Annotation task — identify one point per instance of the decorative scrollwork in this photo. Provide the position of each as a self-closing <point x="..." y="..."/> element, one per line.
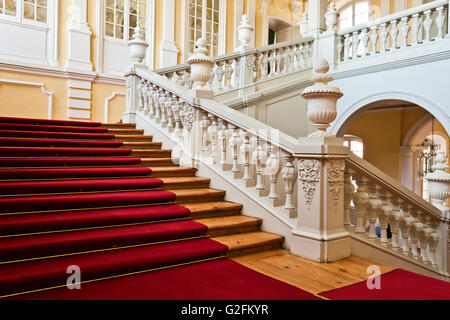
<point x="309" y="176"/>
<point x="188" y="114"/>
<point x="335" y="179"/>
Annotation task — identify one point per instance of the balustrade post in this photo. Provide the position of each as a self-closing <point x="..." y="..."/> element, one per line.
<point x="349" y="190"/>
<point x="375" y="205"/>
<point x="361" y="201"/>
<point x="320" y="234"/>
<point x="201" y="66"/>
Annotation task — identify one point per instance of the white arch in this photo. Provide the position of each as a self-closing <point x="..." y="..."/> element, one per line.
<point x="341" y="124"/>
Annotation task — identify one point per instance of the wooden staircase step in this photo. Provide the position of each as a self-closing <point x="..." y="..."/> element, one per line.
<point x="176" y="183"/>
<point x="119" y="125"/>
<point x="245" y="243"/>
<point x="126" y="131"/>
<point x="133" y="138"/>
<point x="142" y="145"/>
<point x="221" y="226"/>
<point x="213" y="209"/>
<point x="173" y="171"/>
<point x="198" y="195"/>
<point x="157" y="162"/>
<point x="151" y="153"/>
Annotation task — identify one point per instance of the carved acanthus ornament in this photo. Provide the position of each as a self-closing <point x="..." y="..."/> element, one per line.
<point x="336" y="170"/>
<point x="309" y="176"/>
<point x="188" y="116"/>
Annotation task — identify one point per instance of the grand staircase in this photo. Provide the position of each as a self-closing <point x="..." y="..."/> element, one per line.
<point x="108" y="199"/>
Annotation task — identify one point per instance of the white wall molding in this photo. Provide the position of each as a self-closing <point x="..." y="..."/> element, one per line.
<point x="108" y="100"/>
<point x="169" y="50"/>
<point x="35" y="85"/>
<point x="80" y="99"/>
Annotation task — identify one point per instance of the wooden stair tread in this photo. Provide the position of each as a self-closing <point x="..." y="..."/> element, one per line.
<point x="151" y="153"/>
<point x="132" y="138"/>
<point x="213" y="209"/>
<point x="172" y="171"/>
<point x="185" y="182"/>
<point x="251" y="242"/>
<point x="126" y="131"/>
<point x="119" y="125"/>
<point x="198" y="195"/>
<point x="226" y="222"/>
<point x="158" y="162"/>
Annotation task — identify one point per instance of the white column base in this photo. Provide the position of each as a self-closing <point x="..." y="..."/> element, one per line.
<point x="314" y="247"/>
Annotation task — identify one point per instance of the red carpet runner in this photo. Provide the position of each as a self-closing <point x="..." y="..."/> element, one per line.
<point x="70" y="195"/>
<point x="395" y="285"/>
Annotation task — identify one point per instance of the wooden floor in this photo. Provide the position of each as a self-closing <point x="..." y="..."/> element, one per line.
<point x="308" y="275"/>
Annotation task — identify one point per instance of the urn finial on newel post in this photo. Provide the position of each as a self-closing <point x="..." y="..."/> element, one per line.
<point x="201" y="65"/>
<point x="244" y="30"/>
<point x="138" y="46"/>
<point x="322" y="99"/>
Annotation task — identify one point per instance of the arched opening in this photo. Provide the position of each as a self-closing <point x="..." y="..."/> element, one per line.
<point x="395" y="133"/>
<point x="281" y="30"/>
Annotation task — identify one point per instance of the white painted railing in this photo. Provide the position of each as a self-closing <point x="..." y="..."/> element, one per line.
<point x="240" y="69"/>
<point x="262" y="162"/>
<point x="419" y="230"/>
<point x="414" y="27"/>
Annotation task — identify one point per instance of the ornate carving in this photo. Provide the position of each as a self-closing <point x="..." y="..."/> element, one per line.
<point x="335" y="178"/>
<point x="188" y="115"/>
<point x="309" y="176"/>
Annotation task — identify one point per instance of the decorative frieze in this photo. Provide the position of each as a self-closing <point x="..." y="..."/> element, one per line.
<point x="309" y="176"/>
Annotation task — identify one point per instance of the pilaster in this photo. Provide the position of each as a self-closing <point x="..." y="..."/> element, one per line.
<point x="169" y="50"/>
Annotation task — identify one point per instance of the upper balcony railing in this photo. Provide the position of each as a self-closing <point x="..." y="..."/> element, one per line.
<point x="250" y="66"/>
<point x="410" y="28"/>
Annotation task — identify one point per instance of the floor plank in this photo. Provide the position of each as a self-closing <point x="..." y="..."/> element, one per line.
<point x="308" y="275"/>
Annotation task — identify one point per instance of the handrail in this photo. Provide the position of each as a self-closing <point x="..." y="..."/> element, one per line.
<point x="384" y="180"/>
<point x="394" y="16"/>
<point x="237" y="54"/>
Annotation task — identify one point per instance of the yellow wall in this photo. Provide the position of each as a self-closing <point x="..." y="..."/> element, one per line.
<point x="383" y="134"/>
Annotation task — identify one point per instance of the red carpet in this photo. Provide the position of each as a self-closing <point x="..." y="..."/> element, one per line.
<point x="75" y="162"/>
<point x="63" y="152"/>
<point x="49" y="122"/>
<point x="73" y="173"/>
<point x="58" y="143"/>
<point x="395" y="285"/>
<point x="54" y="135"/>
<point x="33" y="127"/>
<point x="221" y="279"/>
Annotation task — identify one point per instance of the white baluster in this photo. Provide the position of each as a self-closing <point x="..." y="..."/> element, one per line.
<point x="423" y="238"/>
<point x="223" y="143"/>
<point x="404" y="30"/>
<point x="374" y="208"/>
<point x="386" y="212"/>
<point x="234" y="145"/>
<point x="259" y="158"/>
<point x="204" y="123"/>
<point x="355" y="44"/>
<point x="427" y="23"/>
<point x="349" y="191"/>
<point x="415" y="27"/>
<point x="339" y="48"/>
<point x="213" y="130"/>
<point x="211" y="79"/>
<point x="364" y="42"/>
<point x="139" y="87"/>
<point x="285" y="56"/>
<point x="145" y="97"/>
<point x="361" y="200"/>
<point x="265" y="66"/>
<point x="292" y="59"/>
<point x="219" y="71"/>
<point x="373" y="39"/>
<point x="384" y="37"/>
<point x="289" y="176"/>
<point x="237" y="71"/>
<point x="160" y="96"/>
<point x="432" y="243"/>
<point x="245" y="151"/>
<point x="394" y="34"/>
<point x="168" y="104"/>
<point x="272" y="62"/>
<point x="347" y="45"/>
<point x="405" y="228"/>
<point x="396" y="218"/>
<point x="229" y="72"/>
<point x="162" y="106"/>
<point x="272" y="169"/>
<point x="278" y="59"/>
<point x="440" y="19"/>
<point x="176" y="112"/>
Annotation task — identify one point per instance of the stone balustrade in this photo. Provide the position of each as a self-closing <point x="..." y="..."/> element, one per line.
<point x="413" y="27"/>
<point x="419" y="231"/>
<point x="250" y="66"/>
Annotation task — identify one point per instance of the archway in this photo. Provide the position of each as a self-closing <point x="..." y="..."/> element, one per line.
<point x="394" y="131"/>
<point x="281" y="30"/>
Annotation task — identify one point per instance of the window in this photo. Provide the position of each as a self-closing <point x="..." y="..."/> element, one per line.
<point x="210" y="27"/>
<point x="34" y="10"/>
<point x="356" y="145"/>
<point x="123" y="16"/>
<point x="354" y="14"/>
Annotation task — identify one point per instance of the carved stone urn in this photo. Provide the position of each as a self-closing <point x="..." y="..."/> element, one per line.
<point x="200" y="67"/>
<point x="331" y="16"/>
<point x="439" y="183"/>
<point x="245" y="30"/>
<point x="138" y="46"/>
<point x="304" y="24"/>
<point x="321" y="99"/>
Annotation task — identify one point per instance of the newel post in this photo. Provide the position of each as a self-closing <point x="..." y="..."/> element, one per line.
<point x="320" y="234"/>
<point x="328" y="41"/>
<point x="138" y="50"/>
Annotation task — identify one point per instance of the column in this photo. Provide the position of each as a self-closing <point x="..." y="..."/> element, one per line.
<point x="407" y="167"/>
<point x="265" y="24"/>
<point x="169" y="50"/>
<point x="320" y="234"/>
<point x="238" y="11"/>
<point x="251" y="13"/>
<point x="316" y="16"/>
<point x="79" y="38"/>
